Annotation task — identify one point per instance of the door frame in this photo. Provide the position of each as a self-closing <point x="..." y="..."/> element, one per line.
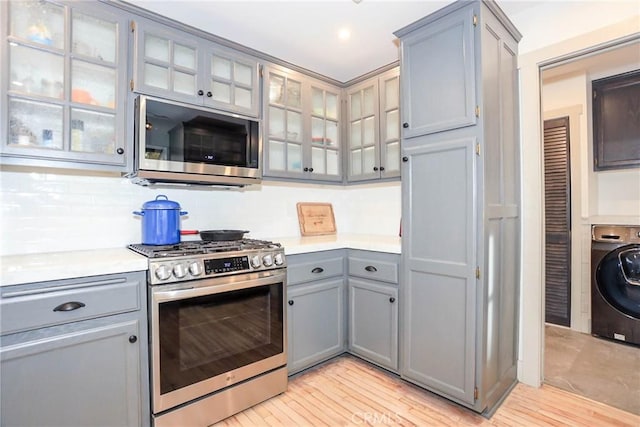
<point x="531" y="65"/>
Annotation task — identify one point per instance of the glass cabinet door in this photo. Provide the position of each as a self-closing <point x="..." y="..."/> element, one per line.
<point x="302" y="127"/>
<point x="167" y="63"/>
<point x="390" y="124"/>
<point x="233" y="84"/>
<point x="284" y="151"/>
<point x="363" y="131"/>
<point x="325" y="134"/>
<point x="65" y="82"/>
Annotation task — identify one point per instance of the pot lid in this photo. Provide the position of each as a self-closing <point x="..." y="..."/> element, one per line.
<point x="161" y="202"/>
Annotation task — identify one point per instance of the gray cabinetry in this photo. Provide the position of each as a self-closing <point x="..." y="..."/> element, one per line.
<point x="302" y="137"/>
<point x="460" y="204"/>
<point x="74" y="352"/>
<point x="439" y="73"/>
<point x="63" y="85"/>
<point x="373" y="307"/>
<point x="373" y="128"/>
<point x="181" y="66"/>
<point x="315" y="314"/>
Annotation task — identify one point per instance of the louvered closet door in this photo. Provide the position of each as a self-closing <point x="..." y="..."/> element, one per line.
<point x="557" y="221"/>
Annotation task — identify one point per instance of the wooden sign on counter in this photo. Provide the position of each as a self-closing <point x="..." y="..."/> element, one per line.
<point x="316" y="219"/>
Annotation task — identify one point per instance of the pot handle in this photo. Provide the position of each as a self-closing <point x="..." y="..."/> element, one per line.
<point x="163" y="197"/>
<point x="138" y="213"/>
<point x="187" y="232"/>
<point x="182" y="213"/>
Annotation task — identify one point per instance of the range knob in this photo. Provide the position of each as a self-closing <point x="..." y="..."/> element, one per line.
<point x="195" y="268"/>
<point x="163" y="272"/>
<point x="278" y="259"/>
<point x="267" y="260"/>
<point x="180" y="270"/>
<point x="255" y="261"/>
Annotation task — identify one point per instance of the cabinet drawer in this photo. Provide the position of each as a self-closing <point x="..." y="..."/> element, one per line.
<point x="21" y="311"/>
<point x="314" y="270"/>
<point x="374" y="269"/>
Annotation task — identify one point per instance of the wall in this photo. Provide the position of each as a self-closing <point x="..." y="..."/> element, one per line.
<point x="49" y="210"/>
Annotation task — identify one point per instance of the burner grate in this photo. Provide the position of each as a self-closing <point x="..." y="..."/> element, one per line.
<point x="200" y="247"/>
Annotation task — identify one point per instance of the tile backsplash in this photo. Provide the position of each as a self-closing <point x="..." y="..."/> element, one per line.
<point x="51" y="211"/>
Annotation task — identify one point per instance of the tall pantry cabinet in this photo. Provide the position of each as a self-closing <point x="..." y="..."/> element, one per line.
<point x="460" y="203"/>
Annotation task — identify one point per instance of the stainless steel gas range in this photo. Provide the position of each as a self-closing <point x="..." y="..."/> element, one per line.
<point x="217" y="328"/>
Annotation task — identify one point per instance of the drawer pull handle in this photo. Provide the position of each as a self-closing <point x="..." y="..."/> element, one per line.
<point x="371" y="268"/>
<point x="392" y="300"/>
<point x="69" y="306"/>
<point x="317" y="270"/>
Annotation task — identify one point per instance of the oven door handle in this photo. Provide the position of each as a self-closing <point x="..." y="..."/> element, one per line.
<point x="198" y="288"/>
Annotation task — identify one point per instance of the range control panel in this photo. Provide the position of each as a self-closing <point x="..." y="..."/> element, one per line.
<point x="226" y="265"/>
<point x="193" y="267"/>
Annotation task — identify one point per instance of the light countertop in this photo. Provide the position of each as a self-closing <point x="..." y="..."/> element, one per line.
<point x="299" y="245"/>
<point x="29" y="268"/>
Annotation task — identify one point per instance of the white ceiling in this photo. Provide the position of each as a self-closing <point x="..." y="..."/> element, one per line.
<point x="305" y="32"/>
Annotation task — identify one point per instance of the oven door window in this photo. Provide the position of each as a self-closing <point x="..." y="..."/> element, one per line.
<point x="206" y="336"/>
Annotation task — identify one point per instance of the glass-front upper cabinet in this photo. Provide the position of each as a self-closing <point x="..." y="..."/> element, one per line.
<point x="302" y="127"/>
<point x="65" y="94"/>
<point x="389" y="89"/>
<point x="362" y="105"/>
<point x="177" y="65"/>
<point x="373" y="133"/>
<point x="325" y="133"/>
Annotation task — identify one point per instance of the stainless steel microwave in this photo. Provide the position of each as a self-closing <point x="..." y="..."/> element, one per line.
<point x="179" y="143"/>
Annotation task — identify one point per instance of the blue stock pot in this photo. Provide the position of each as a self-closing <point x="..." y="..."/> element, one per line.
<point x="160" y="221"/>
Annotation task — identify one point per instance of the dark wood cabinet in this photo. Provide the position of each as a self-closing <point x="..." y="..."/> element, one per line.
<point x="616" y="121"/>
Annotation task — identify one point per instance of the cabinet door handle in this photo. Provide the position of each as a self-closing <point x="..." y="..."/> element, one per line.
<point x="69" y="306"/>
<point x="209" y="94"/>
<point x="381" y="168"/>
<point x="200" y="92"/>
<point x="120" y="150"/>
<point x="133" y="339"/>
<point x="392" y="300"/>
<point x="405" y="159"/>
<point x="371" y="268"/>
<point x="290" y="302"/>
<point x="310" y="169"/>
<point x="375" y="169"/>
<point x="317" y="270"/>
<point x="405" y="125"/>
<point x="306" y="169"/>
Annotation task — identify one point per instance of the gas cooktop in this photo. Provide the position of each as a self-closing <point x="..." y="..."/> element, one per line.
<point x="196" y="247"/>
<point x="194" y="260"/>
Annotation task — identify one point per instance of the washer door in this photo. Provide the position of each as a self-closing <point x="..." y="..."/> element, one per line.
<point x="618" y="279"/>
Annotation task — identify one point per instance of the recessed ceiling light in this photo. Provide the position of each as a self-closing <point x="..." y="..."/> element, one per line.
<point x="344" y="34"/>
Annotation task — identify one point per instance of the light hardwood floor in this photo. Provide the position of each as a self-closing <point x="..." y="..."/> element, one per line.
<point x="349" y="392"/>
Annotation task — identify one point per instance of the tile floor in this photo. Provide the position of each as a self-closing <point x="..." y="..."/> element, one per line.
<point x="599" y="369"/>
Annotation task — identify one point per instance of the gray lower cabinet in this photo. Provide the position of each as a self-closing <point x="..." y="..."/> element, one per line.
<point x="74" y="352"/>
<point x="316" y="309"/>
<point x="373" y="307"/>
<point x="461" y="203"/>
